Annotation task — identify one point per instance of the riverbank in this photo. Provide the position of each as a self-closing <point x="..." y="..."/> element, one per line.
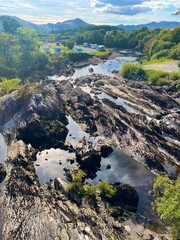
<point x="171" y="66"/>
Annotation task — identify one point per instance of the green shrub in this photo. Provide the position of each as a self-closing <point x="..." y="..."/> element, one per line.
<point x="167" y="202"/>
<point x="106" y="189"/>
<point x="175" y="76"/>
<point x="175" y="53"/>
<point x="162" y="54"/>
<point x="90" y="190"/>
<point x="75" y="57"/>
<point x="8" y="85"/>
<point x="132" y="71"/>
<point x="76" y="186"/>
<point x="157" y="77"/>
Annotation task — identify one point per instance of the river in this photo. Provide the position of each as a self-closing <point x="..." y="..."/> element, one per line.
<point x="50" y="163"/>
<point x="125" y="169"/>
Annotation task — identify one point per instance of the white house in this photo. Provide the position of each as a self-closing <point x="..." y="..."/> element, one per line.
<point x="100" y="47"/>
<point x="85" y="44"/>
<point x="93" y="46"/>
<point x="77" y="50"/>
<point x="46" y="48"/>
<point x="57" y="49"/>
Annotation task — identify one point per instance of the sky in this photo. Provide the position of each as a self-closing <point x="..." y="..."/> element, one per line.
<point x="111" y="12"/>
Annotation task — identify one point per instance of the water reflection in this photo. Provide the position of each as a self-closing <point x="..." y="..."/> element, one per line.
<point x="3" y="150"/>
<point x="126" y="170"/>
<point x="50" y="164"/>
<point x="103" y="68"/>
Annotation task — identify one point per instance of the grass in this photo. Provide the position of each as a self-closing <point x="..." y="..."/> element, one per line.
<point x="156" y="61"/>
<point x="100" y="53"/>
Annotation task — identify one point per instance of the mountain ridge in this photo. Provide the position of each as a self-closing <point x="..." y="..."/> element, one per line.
<point x="77" y="22"/>
<point x="151" y="25"/>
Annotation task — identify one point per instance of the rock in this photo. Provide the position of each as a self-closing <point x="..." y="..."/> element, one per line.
<point x="127" y="228"/>
<point x="2" y="172"/>
<point x="126" y="197"/>
<point x="64" y="235"/>
<point x="43" y="134"/>
<point x="89" y="160"/>
<point x="108" y="166"/>
<point x="106" y="151"/>
<point x="60" y="184"/>
<point x="91" y="70"/>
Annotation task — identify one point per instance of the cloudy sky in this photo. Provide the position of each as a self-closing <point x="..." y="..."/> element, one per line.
<point x="93" y="11"/>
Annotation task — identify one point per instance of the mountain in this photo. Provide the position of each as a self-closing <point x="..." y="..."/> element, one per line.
<point x="151" y="25"/>
<point x="70" y="24"/>
<point x="21" y="22"/>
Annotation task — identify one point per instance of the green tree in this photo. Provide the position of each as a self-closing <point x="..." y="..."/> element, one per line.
<point x="31" y="56"/>
<point x="167" y="202"/>
<point x="10" y="24"/>
<point x="9" y="55"/>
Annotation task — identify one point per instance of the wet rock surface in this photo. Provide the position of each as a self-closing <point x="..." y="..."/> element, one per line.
<point x="141" y="120"/>
<point x="2" y="172"/>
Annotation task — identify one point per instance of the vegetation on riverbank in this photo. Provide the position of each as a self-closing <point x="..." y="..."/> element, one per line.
<point x="135" y="72"/>
<point x="167" y="202"/>
<point x="78" y="187"/>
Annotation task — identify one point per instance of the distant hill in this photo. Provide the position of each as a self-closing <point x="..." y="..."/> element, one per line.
<point x="151" y="25"/>
<point x="70" y="24"/>
<point x="74" y="23"/>
<point x="21" y="22"/>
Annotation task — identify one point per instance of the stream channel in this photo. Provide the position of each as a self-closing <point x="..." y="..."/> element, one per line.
<point x="50" y="163"/>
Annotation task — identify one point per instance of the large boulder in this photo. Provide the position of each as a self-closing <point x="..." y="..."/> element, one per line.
<point x="2" y="172"/>
<point x="43" y="134"/>
<point x="126" y="197"/>
<point x="89" y="160"/>
<point x="106" y="151"/>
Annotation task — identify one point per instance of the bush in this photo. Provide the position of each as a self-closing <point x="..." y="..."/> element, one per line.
<point x="75" y="57"/>
<point x="8" y="85"/>
<point x="167" y="202"/>
<point x="175" y="76"/>
<point x="132" y="71"/>
<point x="90" y="190"/>
<point x="76" y="186"/>
<point x="106" y="189"/>
<point x="162" y="54"/>
<point x="157" y="77"/>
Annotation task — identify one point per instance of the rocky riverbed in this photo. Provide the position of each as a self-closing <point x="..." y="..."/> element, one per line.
<point x="140" y="120"/>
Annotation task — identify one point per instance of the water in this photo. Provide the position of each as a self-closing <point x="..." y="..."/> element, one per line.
<point x="125" y="169"/>
<point x="47" y="165"/>
<point x="119" y="101"/>
<point x="76" y="134"/>
<point x="3" y="150"/>
<point x="3" y="156"/>
<point x="102" y="68"/>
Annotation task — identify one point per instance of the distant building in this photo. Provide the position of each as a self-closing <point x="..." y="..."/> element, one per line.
<point x="100" y="48"/>
<point x="93" y="46"/>
<point x="57" y="49"/>
<point x="77" y="50"/>
<point x="85" y="44"/>
<point x="46" y="48"/>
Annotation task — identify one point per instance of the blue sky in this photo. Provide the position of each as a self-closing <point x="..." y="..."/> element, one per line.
<point x="93" y="11"/>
